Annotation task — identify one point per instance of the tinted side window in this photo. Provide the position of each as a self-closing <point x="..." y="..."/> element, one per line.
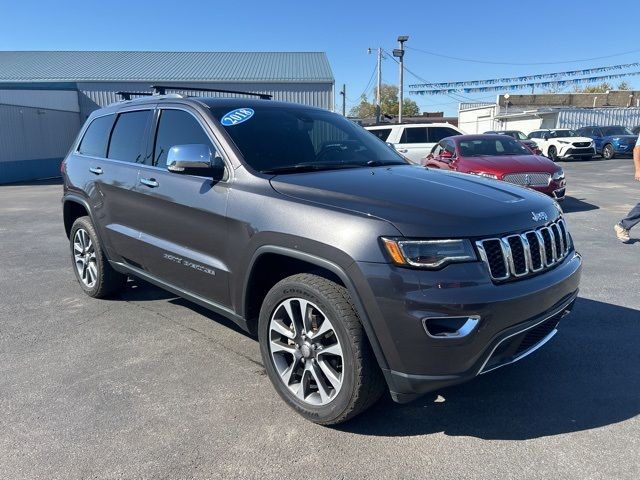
<point x="382" y="133"/>
<point x="96" y="137"/>
<point x="177" y="127"/>
<point x="449" y="146"/>
<point x="438" y="133"/>
<point x="415" y="135"/>
<point x="534" y="135"/>
<point x="128" y="136"/>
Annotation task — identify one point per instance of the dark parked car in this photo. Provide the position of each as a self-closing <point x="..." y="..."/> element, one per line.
<point x="499" y="157"/>
<point x="521" y="137"/>
<point x="356" y="270"/>
<point x="636" y="130"/>
<point x="611" y="141"/>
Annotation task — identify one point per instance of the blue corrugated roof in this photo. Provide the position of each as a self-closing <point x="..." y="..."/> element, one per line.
<point x="103" y="66"/>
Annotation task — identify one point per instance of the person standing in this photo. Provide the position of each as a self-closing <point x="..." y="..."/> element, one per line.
<point x="633" y="217"/>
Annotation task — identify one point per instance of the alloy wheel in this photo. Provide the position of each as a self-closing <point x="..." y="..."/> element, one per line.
<point x="84" y="255"/>
<point x="306" y="351"/>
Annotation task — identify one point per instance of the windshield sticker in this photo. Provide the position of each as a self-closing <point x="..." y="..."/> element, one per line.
<point x="234" y="117"/>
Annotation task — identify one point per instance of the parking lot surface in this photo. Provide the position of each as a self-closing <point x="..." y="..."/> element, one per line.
<point x="153" y="386"/>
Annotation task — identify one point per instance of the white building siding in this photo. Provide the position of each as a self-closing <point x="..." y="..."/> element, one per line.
<point x="477" y="120"/>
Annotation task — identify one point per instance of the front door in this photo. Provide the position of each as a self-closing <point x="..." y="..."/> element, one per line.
<point x="183" y="222"/>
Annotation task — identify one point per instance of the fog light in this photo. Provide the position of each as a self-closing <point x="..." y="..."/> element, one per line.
<point x="450" y="327"/>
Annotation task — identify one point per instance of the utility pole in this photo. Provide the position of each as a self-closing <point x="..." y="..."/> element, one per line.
<point x="344" y="99"/>
<point x="399" y="52"/>
<point x="378" y="83"/>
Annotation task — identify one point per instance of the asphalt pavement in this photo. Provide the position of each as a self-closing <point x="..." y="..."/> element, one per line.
<point x="152" y="386"/>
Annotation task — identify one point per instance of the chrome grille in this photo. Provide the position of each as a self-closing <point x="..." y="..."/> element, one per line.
<point x="520" y="255"/>
<point x="581" y="144"/>
<point x="536" y="179"/>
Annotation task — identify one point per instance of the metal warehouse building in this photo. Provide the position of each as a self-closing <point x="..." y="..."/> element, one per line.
<point x="46" y="96"/>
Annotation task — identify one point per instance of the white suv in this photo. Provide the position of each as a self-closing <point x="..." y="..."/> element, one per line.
<point x="563" y="143"/>
<point x="414" y="140"/>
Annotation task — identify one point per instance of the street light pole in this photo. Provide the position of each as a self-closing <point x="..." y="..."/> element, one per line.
<point x="399" y="52"/>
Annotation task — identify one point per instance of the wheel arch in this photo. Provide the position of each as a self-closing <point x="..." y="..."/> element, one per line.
<point x="254" y="292"/>
<point x="74" y="207"/>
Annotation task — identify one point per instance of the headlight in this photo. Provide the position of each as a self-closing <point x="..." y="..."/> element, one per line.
<point x="558" y="175"/>
<point x="563" y="141"/>
<point x="430" y="254"/>
<point x="484" y="174"/>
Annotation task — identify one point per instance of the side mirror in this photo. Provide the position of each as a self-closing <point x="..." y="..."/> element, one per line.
<point x="194" y="159"/>
<point x="545" y="136"/>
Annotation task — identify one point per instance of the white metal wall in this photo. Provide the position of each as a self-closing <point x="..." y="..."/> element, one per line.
<point x="28" y="133"/>
<point x="477" y="120"/>
<point x="580" y="117"/>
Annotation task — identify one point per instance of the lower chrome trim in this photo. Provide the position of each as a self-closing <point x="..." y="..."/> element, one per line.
<point x="532" y="349"/>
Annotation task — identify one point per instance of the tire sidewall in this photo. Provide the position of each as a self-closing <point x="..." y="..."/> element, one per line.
<point x="295" y="289"/>
<point x="609" y="149"/>
<point x="85" y="224"/>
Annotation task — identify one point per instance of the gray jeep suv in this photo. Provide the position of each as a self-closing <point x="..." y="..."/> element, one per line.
<point x="356" y="270"/>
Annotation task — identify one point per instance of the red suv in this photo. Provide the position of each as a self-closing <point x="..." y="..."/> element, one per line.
<point x="499" y="157"/>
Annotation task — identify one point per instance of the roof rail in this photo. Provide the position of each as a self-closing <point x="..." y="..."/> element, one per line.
<point x="127" y="95"/>
<point x="162" y="89"/>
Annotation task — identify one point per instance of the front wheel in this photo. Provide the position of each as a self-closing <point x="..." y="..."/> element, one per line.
<point x="608" y="152"/>
<point x="315" y="351"/>
<point x="552" y="153"/>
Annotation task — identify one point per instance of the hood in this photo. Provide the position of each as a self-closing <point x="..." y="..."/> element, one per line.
<point x="423" y="203"/>
<point x="508" y="164"/>
<point x="572" y="139"/>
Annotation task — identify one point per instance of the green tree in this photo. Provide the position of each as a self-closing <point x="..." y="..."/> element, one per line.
<point x="364" y="109"/>
<point x="624" y="86"/>
<point x="388" y="104"/>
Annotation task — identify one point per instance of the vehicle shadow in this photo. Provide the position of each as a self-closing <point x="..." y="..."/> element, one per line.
<point x="138" y="290"/>
<point x="586" y="377"/>
<point x="572" y="204"/>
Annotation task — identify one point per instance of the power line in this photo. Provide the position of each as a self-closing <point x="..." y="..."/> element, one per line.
<point x="472" y="60"/>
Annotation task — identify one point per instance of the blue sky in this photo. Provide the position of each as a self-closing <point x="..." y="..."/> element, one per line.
<point x="491" y="31"/>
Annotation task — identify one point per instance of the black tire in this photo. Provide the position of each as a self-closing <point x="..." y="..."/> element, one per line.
<point x="107" y="282"/>
<point x="362" y="382"/>
<point x="552" y="153"/>
<point x="607" y="152"/>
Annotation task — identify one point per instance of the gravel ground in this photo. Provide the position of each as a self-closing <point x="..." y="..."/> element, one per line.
<point x="152" y="386"/>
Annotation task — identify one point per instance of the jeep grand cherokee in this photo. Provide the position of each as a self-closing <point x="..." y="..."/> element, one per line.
<point x="356" y="270"/>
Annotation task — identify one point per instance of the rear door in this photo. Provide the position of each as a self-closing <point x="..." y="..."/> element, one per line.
<point x="183" y="216"/>
<point x="113" y="194"/>
<point x="414" y="143"/>
<point x="417" y="141"/>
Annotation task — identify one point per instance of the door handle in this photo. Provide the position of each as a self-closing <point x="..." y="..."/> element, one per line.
<point x="403" y="150"/>
<point x="149" y="182"/>
<point x="96" y="170"/>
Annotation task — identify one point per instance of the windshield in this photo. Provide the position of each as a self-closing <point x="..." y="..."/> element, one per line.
<point x="277" y="139"/>
<point x="562" y="133"/>
<point x="609" y="131"/>
<point x="481" y="147"/>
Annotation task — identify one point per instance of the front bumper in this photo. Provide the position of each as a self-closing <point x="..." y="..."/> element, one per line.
<point x="623" y="149"/>
<point x="418" y="363"/>
<point x="576" y="152"/>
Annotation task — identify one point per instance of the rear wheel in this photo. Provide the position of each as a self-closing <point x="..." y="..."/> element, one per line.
<point x="315" y="351"/>
<point x="607" y="152"/>
<point x="94" y="273"/>
<point x="552" y="153"/>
